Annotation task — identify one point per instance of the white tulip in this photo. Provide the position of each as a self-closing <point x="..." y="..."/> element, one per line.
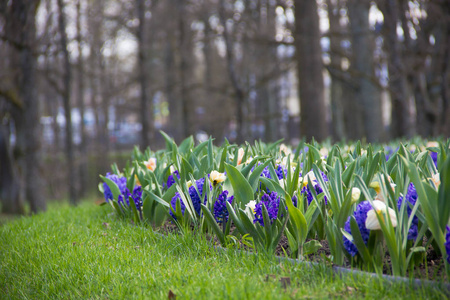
<point x="382" y="210"/>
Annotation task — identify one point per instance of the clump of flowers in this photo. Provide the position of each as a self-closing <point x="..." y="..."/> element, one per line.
<point x="125" y="194"/>
<point x="312" y="178"/>
<point x="220" y="207"/>
<point x="121" y="183"/>
<point x="360" y="215"/>
<point x="195" y="197"/>
<point x="272" y="203"/>
<point x="411" y="198"/>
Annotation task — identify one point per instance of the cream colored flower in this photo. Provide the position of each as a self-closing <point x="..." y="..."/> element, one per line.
<point x="382" y="210"/>
<point x="323" y="152"/>
<point x="249" y="160"/>
<point x="251" y="205"/>
<point x="151" y="164"/>
<point x="285" y="149"/>
<point x="436" y="179"/>
<point x="188" y="183"/>
<point x="172" y="169"/>
<point x="308" y="177"/>
<point x="433" y="144"/>
<point x="137" y="180"/>
<point x="356" y="193"/>
<point x="377" y="187"/>
<point x="217" y="177"/>
<point x="240" y="155"/>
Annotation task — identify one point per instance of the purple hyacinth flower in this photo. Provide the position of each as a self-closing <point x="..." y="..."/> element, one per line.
<point x="195" y="198"/>
<point x="447" y="243"/>
<point x="220" y="207"/>
<point x="411" y="198"/>
<point x="171" y="178"/>
<point x="360" y="215"/>
<point x="121" y="182"/>
<point x="272" y="203"/>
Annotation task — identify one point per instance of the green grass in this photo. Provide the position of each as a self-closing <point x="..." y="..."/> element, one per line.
<point x="68" y="253"/>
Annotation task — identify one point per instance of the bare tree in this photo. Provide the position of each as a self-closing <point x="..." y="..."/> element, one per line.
<point x="81" y="105"/>
<point x="145" y="108"/>
<point x="313" y="121"/>
<point x="367" y="91"/>
<point x="67" y="79"/>
<point x="239" y="94"/>
<point x="21" y="35"/>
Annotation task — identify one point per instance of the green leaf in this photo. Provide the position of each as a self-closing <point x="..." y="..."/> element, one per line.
<point x="267" y="223"/>
<point x="254" y="177"/>
<point x="136" y="217"/>
<point x="359" y="242"/>
<point x="170" y="144"/>
<point x="156" y="198"/>
<point x="223" y="159"/>
<point x="311" y="247"/>
<point x="444" y="194"/>
<point x="298" y="221"/>
<point x="372" y="169"/>
<point x="112" y="186"/>
<point x="212" y="222"/>
<point x="186" y="146"/>
<point x="347" y="174"/>
<point x="273" y="186"/>
<point x="243" y="192"/>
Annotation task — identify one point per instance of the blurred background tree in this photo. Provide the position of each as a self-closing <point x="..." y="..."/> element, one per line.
<point x="81" y="81"/>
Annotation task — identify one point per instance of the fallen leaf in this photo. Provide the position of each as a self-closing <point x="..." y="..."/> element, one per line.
<point x="171" y="295"/>
<point x="285" y="282"/>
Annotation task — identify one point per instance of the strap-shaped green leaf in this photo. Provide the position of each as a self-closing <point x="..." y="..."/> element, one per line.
<point x="243" y="192"/>
<point x="112" y="186"/>
<point x="156" y="198"/>
<point x="254" y="177"/>
<point x="298" y="221"/>
<point x="444" y="194"/>
<point x="359" y="242"/>
<point x="212" y="222"/>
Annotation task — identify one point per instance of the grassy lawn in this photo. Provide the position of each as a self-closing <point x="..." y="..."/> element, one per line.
<point x="71" y="253"/>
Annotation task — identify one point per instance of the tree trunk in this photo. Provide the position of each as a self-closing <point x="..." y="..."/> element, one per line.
<point x="239" y="95"/>
<point x="71" y="179"/>
<point x="146" y="117"/>
<point x="367" y="92"/>
<point x="401" y="123"/>
<point x="82" y="148"/>
<point x="337" y="84"/>
<point x="313" y="123"/>
<point x="182" y="46"/>
<point x="22" y="28"/>
<point x="10" y="197"/>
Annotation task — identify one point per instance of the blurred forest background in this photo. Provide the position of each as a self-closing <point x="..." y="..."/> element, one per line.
<point x="118" y="71"/>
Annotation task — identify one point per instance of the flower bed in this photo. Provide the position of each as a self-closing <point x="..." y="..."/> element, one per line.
<point x="378" y="209"/>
